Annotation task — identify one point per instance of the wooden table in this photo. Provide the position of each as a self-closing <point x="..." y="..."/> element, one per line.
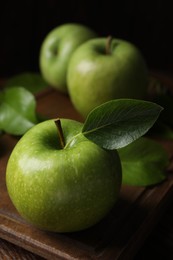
<point x="121" y="235"/>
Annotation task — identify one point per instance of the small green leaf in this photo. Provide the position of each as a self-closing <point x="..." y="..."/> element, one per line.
<point x="119" y="122"/>
<point x="31" y="81"/>
<point x="17" y="110"/>
<point x="144" y="163"/>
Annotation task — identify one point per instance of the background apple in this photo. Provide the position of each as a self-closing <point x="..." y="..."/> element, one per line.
<point x="59" y="189"/>
<point x="56" y="50"/>
<point x="103" y="69"/>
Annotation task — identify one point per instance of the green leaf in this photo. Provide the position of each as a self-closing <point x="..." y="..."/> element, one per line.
<point x="31" y="81"/>
<point x="17" y="110"/>
<point x="119" y="122"/>
<point x="144" y="163"/>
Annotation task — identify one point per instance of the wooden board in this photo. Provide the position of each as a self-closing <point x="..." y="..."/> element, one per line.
<point x="118" y="236"/>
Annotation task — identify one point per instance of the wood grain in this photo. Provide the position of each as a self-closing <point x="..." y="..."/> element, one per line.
<point x="118" y="236"/>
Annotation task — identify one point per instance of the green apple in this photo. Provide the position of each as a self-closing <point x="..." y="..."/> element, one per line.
<point x="62" y="188"/>
<point x="103" y="69"/>
<point x="56" y="50"/>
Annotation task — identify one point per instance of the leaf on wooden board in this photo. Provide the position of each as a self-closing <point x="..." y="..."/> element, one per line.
<point x="119" y="122"/>
<point x="144" y="162"/>
<point x="29" y="80"/>
<point x="17" y="110"/>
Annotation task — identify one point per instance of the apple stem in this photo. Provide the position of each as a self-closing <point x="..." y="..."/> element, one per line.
<point x="108" y="45"/>
<point x="60" y="132"/>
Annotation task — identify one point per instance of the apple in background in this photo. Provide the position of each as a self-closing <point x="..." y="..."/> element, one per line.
<point x="56" y="50"/>
<point x="103" y="69"/>
<point x="62" y="188"/>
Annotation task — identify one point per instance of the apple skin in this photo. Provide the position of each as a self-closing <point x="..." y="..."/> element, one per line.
<point x="62" y="190"/>
<point x="56" y="50"/>
<point x="95" y="77"/>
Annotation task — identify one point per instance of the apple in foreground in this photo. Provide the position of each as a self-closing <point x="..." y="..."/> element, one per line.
<point x="62" y="188"/>
<point x="103" y="69"/>
<point x="56" y="50"/>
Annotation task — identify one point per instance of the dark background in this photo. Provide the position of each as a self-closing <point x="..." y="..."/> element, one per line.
<point x="24" y="24"/>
